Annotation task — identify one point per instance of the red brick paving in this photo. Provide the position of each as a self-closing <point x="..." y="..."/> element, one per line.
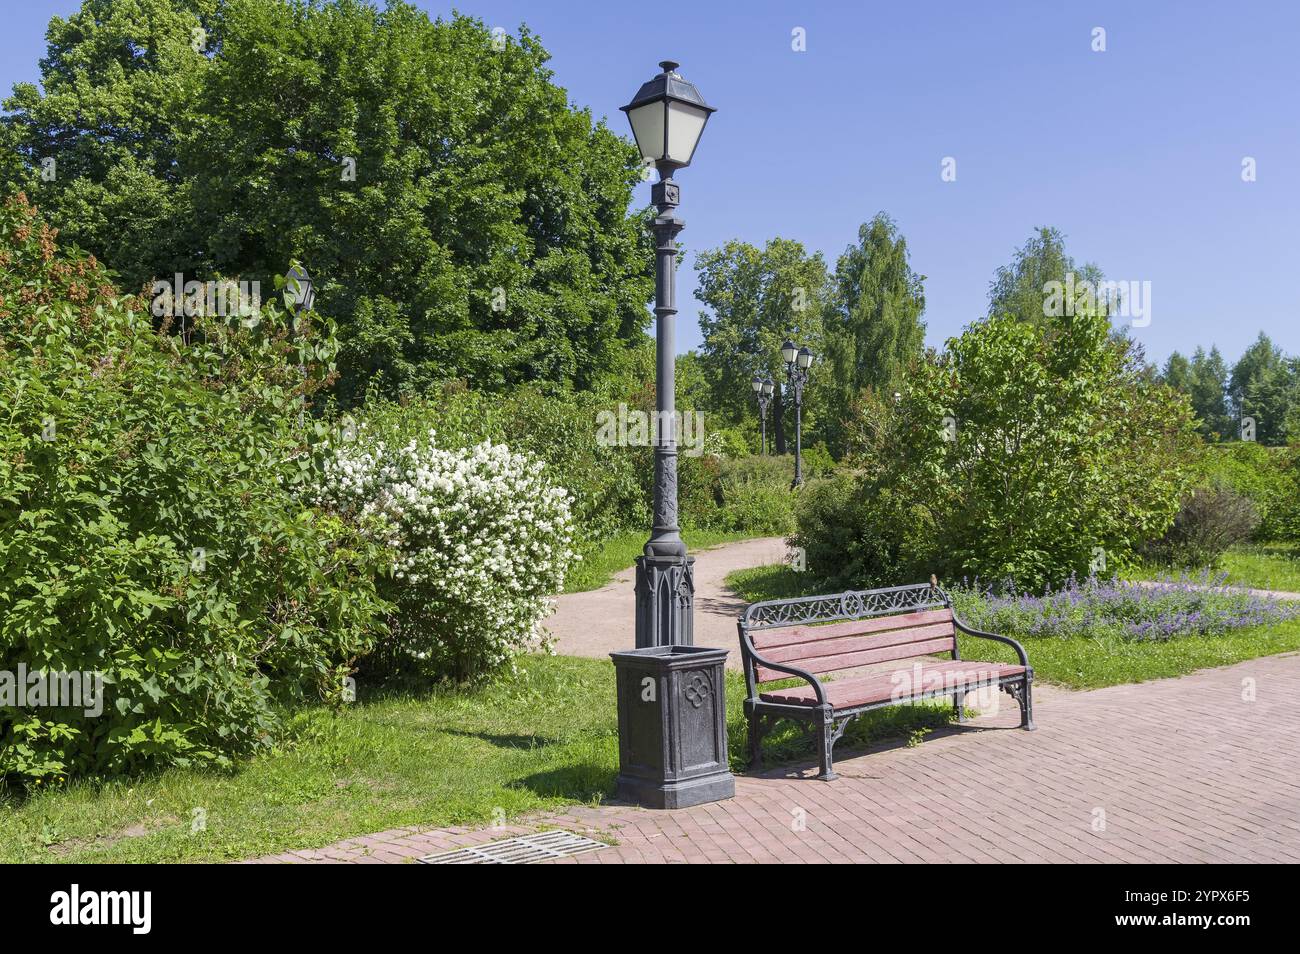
<point x="1179" y="770"/>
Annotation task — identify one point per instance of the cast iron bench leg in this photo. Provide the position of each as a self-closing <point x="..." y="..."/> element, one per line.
<point x="1027" y="703"/>
<point x="758" y="725"/>
<point x="958" y="705"/>
<point x="828" y="737"/>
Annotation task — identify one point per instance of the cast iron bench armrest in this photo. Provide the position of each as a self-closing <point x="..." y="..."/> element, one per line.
<point x="754" y="659"/>
<point x="1020" y="650"/>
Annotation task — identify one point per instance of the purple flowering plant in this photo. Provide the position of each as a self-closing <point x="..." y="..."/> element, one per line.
<point x="1158" y="610"/>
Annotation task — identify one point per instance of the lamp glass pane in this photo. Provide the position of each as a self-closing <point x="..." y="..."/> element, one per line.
<point x="788" y="352"/>
<point x="685" y="123"/>
<point x="805" y="358"/>
<point x="648" y="128"/>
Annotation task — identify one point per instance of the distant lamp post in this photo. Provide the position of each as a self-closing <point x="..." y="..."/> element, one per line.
<point x="797" y="362"/>
<point x="763" y="388"/>
<point x="672" y="715"/>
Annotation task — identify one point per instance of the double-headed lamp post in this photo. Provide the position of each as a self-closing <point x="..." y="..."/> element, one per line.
<point x="763" y="388"/>
<point x="667" y="116"/>
<point x="797" y="362"/>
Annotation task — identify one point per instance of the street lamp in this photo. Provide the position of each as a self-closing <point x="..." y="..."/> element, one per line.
<point x="300" y="290"/>
<point x="672" y="706"/>
<point x="763" y="388"/>
<point x="300" y="295"/>
<point x="667" y="116"/>
<point x="797" y="362"/>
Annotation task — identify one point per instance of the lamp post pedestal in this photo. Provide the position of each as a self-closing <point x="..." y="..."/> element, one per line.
<point x="672" y="726"/>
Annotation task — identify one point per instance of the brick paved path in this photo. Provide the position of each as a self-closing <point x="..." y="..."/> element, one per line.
<point x="1181" y="770"/>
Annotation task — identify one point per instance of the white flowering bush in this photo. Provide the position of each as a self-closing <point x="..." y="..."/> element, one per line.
<point x="480" y="540"/>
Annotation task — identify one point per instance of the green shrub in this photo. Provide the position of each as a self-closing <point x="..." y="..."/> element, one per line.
<point x="756" y="495"/>
<point x="853" y="536"/>
<point x="1267" y="476"/>
<point x="742" y="495"/>
<point x="1209" y="521"/>
<point x="150" y="528"/>
<point x="1025" y="451"/>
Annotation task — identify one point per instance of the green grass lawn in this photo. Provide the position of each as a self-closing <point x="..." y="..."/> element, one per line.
<point x="599" y="564"/>
<point x="1076" y="663"/>
<point x="1264" y="566"/>
<point x="542" y="738"/>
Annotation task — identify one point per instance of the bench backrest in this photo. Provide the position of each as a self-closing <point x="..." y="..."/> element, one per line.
<point x="860" y="628"/>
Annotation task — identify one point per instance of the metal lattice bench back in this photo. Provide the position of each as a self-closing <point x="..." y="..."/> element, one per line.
<point x="854" y="604"/>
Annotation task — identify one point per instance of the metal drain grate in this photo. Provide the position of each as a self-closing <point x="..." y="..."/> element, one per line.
<point x="527" y="850"/>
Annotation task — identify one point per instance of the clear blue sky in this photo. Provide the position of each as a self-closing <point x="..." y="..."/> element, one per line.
<point x="1134" y="153"/>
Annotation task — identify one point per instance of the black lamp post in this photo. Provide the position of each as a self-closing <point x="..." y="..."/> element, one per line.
<point x="667" y="117"/>
<point x="797" y="362"/>
<point x="763" y="388"/>
<point x="672" y="712"/>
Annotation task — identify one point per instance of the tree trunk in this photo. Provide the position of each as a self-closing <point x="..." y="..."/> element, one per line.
<point x="777" y="431"/>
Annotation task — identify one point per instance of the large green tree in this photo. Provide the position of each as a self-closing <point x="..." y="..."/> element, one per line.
<point x="1022" y="289"/>
<point x="1262" y="386"/>
<point x="1204" y="379"/>
<point x="873" y="320"/>
<point x="755" y="299"/>
<point x="461" y="217"/>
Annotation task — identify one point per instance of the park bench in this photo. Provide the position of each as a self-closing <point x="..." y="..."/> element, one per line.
<point x="813" y="636"/>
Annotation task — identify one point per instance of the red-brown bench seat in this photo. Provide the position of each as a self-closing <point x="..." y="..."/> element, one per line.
<point x="904" y="682"/>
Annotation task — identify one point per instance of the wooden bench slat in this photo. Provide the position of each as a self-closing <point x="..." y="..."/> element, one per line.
<point x="853" y="660"/>
<point x="786" y="635"/>
<point x="813" y="648"/>
<point x="879" y="687"/>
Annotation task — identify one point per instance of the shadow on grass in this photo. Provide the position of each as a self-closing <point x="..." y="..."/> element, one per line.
<point x="506" y="740"/>
<point x="581" y="782"/>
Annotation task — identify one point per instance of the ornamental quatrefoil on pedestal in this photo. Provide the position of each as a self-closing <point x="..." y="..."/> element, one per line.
<point x="697" y="690"/>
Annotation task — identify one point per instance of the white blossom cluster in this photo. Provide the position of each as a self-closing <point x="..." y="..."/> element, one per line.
<point x="480" y="541"/>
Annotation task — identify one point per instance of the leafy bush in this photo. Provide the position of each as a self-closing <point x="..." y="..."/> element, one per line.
<point x="480" y="539"/>
<point x="1208" y="523"/>
<point x="756" y="495"/>
<point x="1093" y="608"/>
<point x="1267" y="476"/>
<point x="743" y="495"/>
<point x="851" y="536"/>
<point x="150" y="528"/>
<point x="1024" y="451"/>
